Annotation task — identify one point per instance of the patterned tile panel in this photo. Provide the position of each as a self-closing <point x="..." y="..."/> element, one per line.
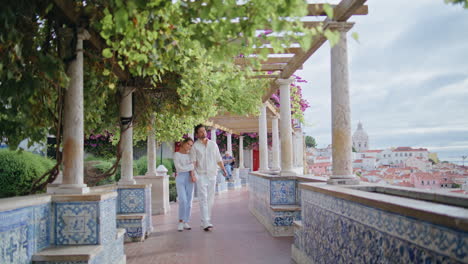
<point x="77" y="223"/>
<point x="283" y="192"/>
<point x="131" y="201"/>
<point x="340" y="231"/>
<point x="42" y="223"/>
<point x="285" y="218"/>
<point x="16" y="235"/>
<point x="134" y="228"/>
<point x="149" y="221"/>
<point x="107" y="220"/>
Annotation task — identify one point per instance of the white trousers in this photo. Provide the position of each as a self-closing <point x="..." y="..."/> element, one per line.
<point x="206" y="185"/>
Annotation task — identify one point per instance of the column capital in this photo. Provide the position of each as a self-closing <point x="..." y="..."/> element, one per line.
<point x="284" y="81"/>
<point x="339" y="26"/>
<point x="83" y="34"/>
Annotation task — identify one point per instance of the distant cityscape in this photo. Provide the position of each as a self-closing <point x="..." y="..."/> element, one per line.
<point x="400" y="166"/>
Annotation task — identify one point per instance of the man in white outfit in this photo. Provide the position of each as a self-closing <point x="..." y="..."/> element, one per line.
<point x="205" y="154"/>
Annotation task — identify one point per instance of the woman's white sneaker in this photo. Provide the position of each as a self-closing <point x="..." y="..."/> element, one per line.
<point x="187" y="226"/>
<point x="180" y="227"/>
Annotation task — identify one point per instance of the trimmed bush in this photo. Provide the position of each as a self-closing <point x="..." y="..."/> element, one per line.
<point x="140" y="166"/>
<point x="172" y="189"/>
<point x="19" y="169"/>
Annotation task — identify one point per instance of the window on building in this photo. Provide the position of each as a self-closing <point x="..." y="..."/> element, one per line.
<point x="411" y="154"/>
<point x="422" y="182"/>
<point x="359" y="144"/>
<point x="433" y="182"/>
<point x="406" y="154"/>
<point x="441" y="185"/>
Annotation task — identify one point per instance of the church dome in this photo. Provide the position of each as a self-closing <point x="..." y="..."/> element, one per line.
<point x="360" y="134"/>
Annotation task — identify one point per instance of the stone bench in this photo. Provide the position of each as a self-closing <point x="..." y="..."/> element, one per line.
<point x="92" y="254"/>
<point x="134" y="225"/>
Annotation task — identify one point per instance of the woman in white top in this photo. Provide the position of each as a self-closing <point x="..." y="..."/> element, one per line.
<point x="184" y="183"/>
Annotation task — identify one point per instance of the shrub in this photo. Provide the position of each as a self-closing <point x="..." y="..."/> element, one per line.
<point x="172" y="189"/>
<point x="19" y="169"/>
<point x="140" y="166"/>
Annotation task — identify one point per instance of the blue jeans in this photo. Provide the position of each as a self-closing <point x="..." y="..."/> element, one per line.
<point x="228" y="168"/>
<point x="184" y="187"/>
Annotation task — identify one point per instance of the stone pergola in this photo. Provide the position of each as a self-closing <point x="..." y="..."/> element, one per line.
<point x="281" y="67"/>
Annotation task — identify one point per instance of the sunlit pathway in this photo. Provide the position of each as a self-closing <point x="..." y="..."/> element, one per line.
<point x="237" y="237"/>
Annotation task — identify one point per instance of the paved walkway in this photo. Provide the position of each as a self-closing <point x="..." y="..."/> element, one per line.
<point x="237" y="238"/>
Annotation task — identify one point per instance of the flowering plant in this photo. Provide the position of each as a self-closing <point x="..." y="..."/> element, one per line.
<point x="100" y="145"/>
<point x="298" y="104"/>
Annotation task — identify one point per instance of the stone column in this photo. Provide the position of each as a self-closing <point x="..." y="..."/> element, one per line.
<point x="213" y="135"/>
<point x="262" y="139"/>
<point x="151" y="152"/>
<point x="342" y="170"/>
<point x="275" y="145"/>
<point x="241" y="152"/>
<point x="229" y="143"/>
<point x="126" y="136"/>
<point x="285" y="128"/>
<point x="73" y="127"/>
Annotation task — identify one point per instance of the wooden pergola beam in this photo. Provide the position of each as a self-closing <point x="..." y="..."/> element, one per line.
<point x="266" y="76"/>
<point x="342" y="12"/>
<point x="270" y="60"/>
<point x="273" y="109"/>
<point x="292" y="50"/>
<point x="218" y="126"/>
<point x="317" y="10"/>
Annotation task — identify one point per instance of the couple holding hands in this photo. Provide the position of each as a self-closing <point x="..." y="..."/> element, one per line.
<point x="197" y="162"/>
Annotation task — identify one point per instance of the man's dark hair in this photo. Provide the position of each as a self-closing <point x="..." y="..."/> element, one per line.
<point x="197" y="128"/>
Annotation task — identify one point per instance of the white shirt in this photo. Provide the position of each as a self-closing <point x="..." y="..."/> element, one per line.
<point x="206" y="158"/>
<point x="183" y="162"/>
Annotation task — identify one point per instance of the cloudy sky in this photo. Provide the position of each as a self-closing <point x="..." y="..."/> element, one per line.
<point x="408" y="78"/>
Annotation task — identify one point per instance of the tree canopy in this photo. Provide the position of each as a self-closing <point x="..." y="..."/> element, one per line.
<point x="178" y="54"/>
<point x="310" y="142"/>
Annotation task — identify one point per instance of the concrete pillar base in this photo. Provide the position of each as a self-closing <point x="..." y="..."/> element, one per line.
<point x="70" y="189"/>
<point x="126" y="182"/>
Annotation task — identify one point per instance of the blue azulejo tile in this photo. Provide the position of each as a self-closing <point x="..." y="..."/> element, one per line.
<point x="283" y="192"/>
<point x="42" y="224"/>
<point x="362" y="234"/>
<point x="16" y="235"/>
<point x="134" y="228"/>
<point x="77" y="223"/>
<point x="131" y="201"/>
<point x="108" y="223"/>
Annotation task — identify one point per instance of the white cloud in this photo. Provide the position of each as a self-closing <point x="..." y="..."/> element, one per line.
<point x="408" y="76"/>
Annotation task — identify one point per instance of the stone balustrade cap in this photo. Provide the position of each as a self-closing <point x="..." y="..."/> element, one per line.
<point x="161" y="168"/>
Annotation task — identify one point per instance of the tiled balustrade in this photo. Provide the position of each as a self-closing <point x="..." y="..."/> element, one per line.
<point x="60" y="229"/>
<point x="274" y="200"/>
<point x="134" y="211"/>
<point x="346" y="225"/>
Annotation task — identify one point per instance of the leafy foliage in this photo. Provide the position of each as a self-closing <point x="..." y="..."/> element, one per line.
<point x="310" y="142"/>
<point x="460" y="2"/>
<point x="179" y="56"/>
<point x="298" y="104"/>
<point x="18" y="170"/>
<point x="140" y="166"/>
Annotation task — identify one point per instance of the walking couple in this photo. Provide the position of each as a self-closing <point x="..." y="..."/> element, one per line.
<point x="199" y="165"/>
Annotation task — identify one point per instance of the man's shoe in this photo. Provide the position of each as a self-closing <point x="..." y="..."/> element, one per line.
<point x="187" y="226"/>
<point x="207" y="227"/>
<point x="180" y="227"/>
